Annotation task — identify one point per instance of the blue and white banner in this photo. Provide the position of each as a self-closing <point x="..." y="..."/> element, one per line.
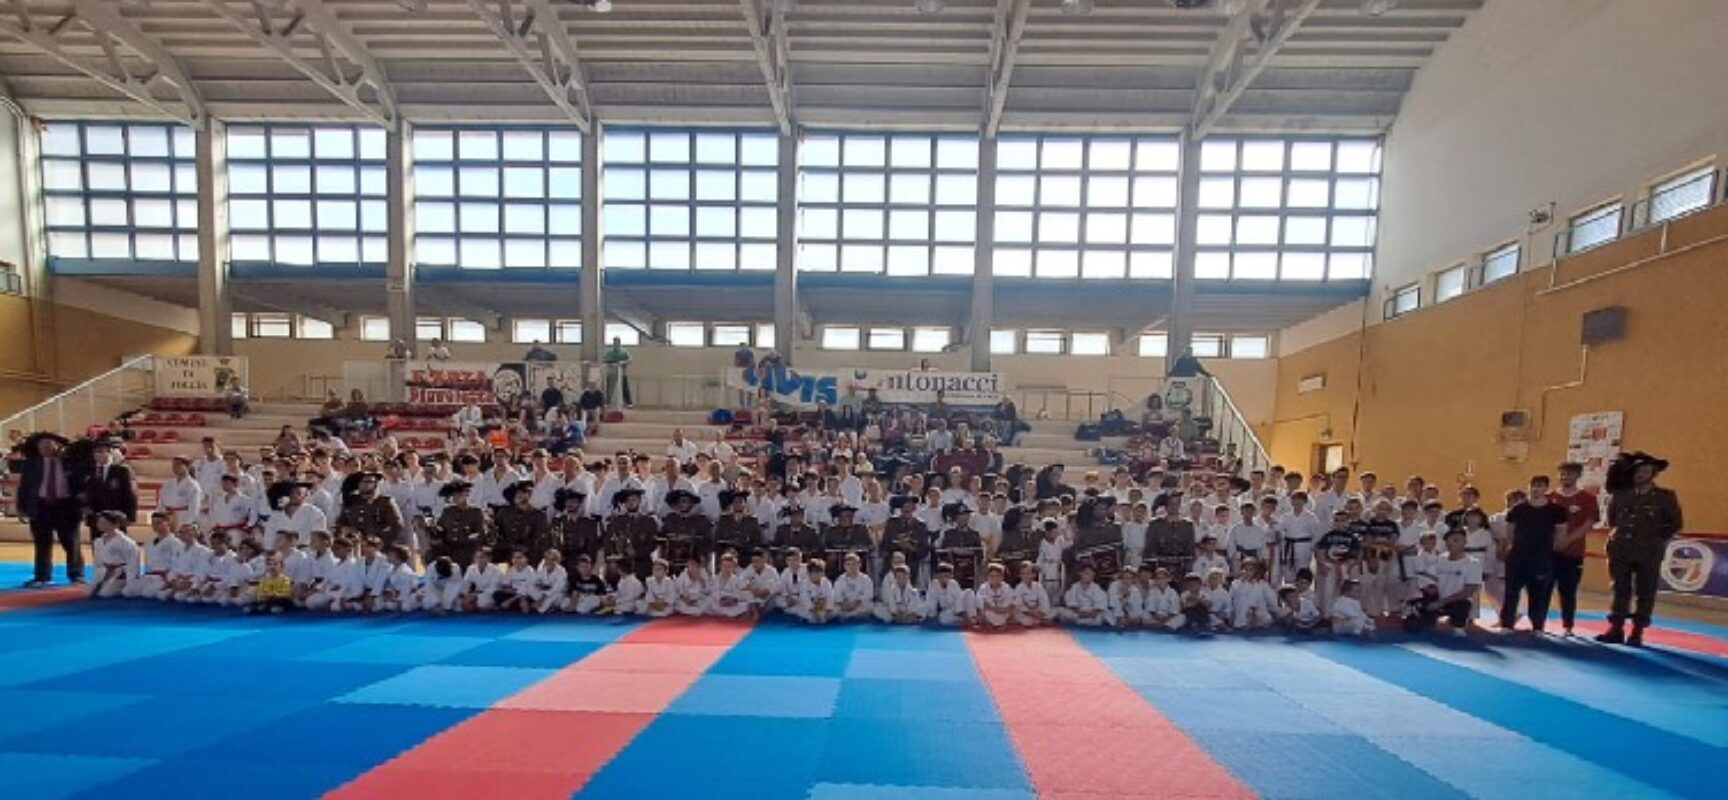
<point x="807" y="388"/>
<point x="1696" y="566"/>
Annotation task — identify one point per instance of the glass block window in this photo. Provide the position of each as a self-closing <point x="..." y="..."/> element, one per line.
<point x="1500" y="264"/>
<point x="1595" y="227"/>
<point x="1292" y="209"/>
<point x="1086" y="206"/>
<point x="1682" y="195"/>
<point x="1450" y="283"/>
<point x="307" y="196"/>
<point x="677" y="199"/>
<point x="120" y="191"/>
<point x="498" y="198"/>
<point x="890" y="204"/>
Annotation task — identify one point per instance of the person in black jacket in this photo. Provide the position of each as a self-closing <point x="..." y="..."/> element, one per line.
<point x="111" y="487"/>
<point x="51" y="497"/>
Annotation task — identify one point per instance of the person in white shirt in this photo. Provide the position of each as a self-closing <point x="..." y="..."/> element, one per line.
<point x="731" y="594"/>
<point x="946" y="601"/>
<point x="1050" y="551"/>
<point x="1163" y="602"/>
<point x="1086" y="603"/>
<point x="1247" y="540"/>
<point x="550" y="590"/>
<point x="660" y="591"/>
<point x="996" y="600"/>
<point x="181" y="495"/>
<point x="311" y="573"/>
<point x="1252" y="599"/>
<point x="1032" y="606"/>
<point x="721" y="450"/>
<point x="693" y="589"/>
<point x="189" y="565"/>
<point x="854" y="591"/>
<point x="207" y="583"/>
<point x="159" y="557"/>
<point x="1217" y="600"/>
<point x="117" y="558"/>
<point x="489" y="487"/>
<point x="1128" y="598"/>
<point x="1297" y="532"/>
<point x="232" y="514"/>
<point x="1347" y="616"/>
<point x="208" y="469"/>
<point x="682" y="448"/>
<point x="480" y="582"/>
<point x="1208" y="559"/>
<point x="899" y="602"/>
<point x="816" y="601"/>
<point x="298" y="515"/>
<point x="792" y="580"/>
<point x="629" y="595"/>
<point x="762" y="582"/>
<point x="1457" y="581"/>
<point x="1134" y="535"/>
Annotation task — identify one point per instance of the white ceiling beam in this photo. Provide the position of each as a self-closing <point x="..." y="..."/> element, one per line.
<point x="1267" y="25"/>
<point x="113" y="70"/>
<point x="346" y="67"/>
<point x="1005" y="35"/>
<point x="533" y="33"/>
<point x="767" y="27"/>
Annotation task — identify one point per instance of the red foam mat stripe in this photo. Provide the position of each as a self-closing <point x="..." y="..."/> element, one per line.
<point x="1052" y="693"/>
<point x="11" y="601"/>
<point x="1664" y="637"/>
<point x="547" y="740"/>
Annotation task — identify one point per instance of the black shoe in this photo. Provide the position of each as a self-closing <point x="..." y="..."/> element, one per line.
<point x="1614" y="635"/>
<point x="1637" y="637"/>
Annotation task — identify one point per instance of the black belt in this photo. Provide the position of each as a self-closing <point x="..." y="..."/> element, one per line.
<point x="1289" y="554"/>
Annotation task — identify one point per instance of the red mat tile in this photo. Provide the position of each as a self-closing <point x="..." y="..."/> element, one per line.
<point x="391" y="782"/>
<point x="514" y="740"/>
<point x="1075" y="705"/>
<point x="613" y="692"/>
<point x="32" y="598"/>
<point x="680" y="630"/>
<point x="1664" y="637"/>
<point x="669" y="658"/>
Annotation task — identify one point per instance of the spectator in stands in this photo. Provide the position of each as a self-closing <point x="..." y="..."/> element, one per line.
<point x="236" y="400"/>
<point x="538" y="353"/>
<point x="398" y="351"/>
<point x="681" y="447"/>
<point x="590" y="403"/>
<point x="287" y="441"/>
<point x="1007" y="417"/>
<point x="438" y="351"/>
<point x="1049" y="485"/>
<point x="1187" y="366"/>
<point x="551" y="397"/>
<point x="50" y="496"/>
<point x="617" y="361"/>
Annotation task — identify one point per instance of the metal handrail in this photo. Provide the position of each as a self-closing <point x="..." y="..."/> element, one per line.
<point x="86" y="404"/>
<point x="1249" y="446"/>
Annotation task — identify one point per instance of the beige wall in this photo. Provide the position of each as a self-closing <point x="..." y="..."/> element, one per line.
<point x="84" y="344"/>
<point x="1571" y="102"/>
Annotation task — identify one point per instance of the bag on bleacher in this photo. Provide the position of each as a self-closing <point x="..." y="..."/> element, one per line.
<point x="1113" y="423"/>
<point x="1088" y="432"/>
<point x="720" y="416"/>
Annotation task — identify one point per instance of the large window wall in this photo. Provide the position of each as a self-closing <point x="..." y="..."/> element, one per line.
<point x="1292" y="209"/>
<point x="1086" y="206"/>
<point x="682" y="200"/>
<point x="487" y="198"/>
<point x="899" y="204"/>
<point x="115" y="191"/>
<point x="307" y="196"/>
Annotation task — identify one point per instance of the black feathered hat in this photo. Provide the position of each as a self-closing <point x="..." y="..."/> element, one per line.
<point x="454" y="488"/>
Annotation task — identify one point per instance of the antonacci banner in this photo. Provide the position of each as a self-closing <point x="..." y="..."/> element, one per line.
<point x="199" y="376"/>
<point x="807" y="388"/>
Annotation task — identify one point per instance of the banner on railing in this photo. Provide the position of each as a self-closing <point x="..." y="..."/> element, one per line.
<point x="1697" y="567"/>
<point x="451" y="383"/>
<point x="1181" y="394"/>
<point x="199" y="376"/>
<point x="805" y="388"/>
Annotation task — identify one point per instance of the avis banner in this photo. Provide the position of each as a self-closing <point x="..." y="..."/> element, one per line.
<point x="807" y="388"/>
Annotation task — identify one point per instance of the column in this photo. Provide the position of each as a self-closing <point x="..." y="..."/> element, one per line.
<point x="786" y="249"/>
<point x="983" y="314"/>
<point x="1179" y="324"/>
<point x="215" y="306"/>
<point x="589" y="305"/>
<point x="399" y="272"/>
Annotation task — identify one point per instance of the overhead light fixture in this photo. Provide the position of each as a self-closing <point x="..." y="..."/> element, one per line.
<point x="929" y="6"/>
<point x="1375" y="8"/>
<point x="1075" y="8"/>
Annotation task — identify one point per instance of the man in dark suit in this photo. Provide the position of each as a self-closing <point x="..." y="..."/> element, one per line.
<point x="50" y="497"/>
<point x="112" y="486"/>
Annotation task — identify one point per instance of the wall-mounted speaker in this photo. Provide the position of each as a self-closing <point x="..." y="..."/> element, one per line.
<point x="1604" y="325"/>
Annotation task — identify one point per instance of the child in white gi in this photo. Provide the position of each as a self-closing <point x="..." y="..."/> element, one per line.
<point x="816" y="594"/>
<point x="375" y="570"/>
<point x="1480" y="543"/>
<point x="117" y="558"/>
<point x="480" y="582"/>
<point x="209" y="582"/>
<point x="550" y="591"/>
<point x="1297" y="609"/>
<point x="1128" y="598"/>
<point x="441" y="592"/>
<point x="1031" y="599"/>
<point x="1217" y="600"/>
<point x="189" y="567"/>
<point x="995" y="600"/>
<point x="327" y="593"/>
<point x="762" y="582"/>
<point x="1251" y="598"/>
<point x="1348" y="618"/>
<point x="1209" y="559"/>
<point x="310" y="573"/>
<point x="947" y="602"/>
<point x="854" y="591"/>
<point x="1134" y="535"/>
<point x="240" y="587"/>
<point x="516" y="589"/>
<point x="1050" y="550"/>
<point x="660" y="591"/>
<point x="1248" y="539"/>
<point x="693" y="589"/>
<point x="628" y="595"/>
<point x="1163" y="604"/>
<point x="159" y="557"/>
<point x="1086" y="603"/>
<point x="900" y="603"/>
<point x="731" y="597"/>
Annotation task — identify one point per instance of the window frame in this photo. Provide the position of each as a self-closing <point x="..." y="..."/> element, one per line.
<point x="1209" y="345"/>
<point x="1045" y="338"/>
<point x="180" y="195"/>
<point x="855" y="333"/>
<point x="1017" y="211"/>
<point x="726" y="334"/>
<point x="366" y="157"/>
<point x="946" y="333"/>
<point x="1442" y="277"/>
<point x="1012" y="336"/>
<point x="517" y="324"/>
<point x="1615" y="208"/>
<point x="626" y="335"/>
<point x="559" y="249"/>
<point x="368" y="335"/>
<point x="895" y="338"/>
<point x="683" y="329"/>
<point x="1237" y="340"/>
<point x="1672" y="184"/>
<point x="748" y="253"/>
<point x="1394" y="307"/>
<point x="1158" y="343"/>
<point x="1485" y="278"/>
<point x="880" y="252"/>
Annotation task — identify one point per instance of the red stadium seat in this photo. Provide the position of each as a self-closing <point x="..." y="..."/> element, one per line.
<point x="146" y="435"/>
<point x="612" y="416"/>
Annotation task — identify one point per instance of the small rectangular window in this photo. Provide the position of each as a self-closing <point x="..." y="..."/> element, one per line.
<point x="316" y="329"/>
<point x="1682" y="195"/>
<point x="1449" y="283"/>
<point x="1404" y="301"/>
<point x="529" y="331"/>
<point x="1207" y="345"/>
<point x="1004" y="342"/>
<point x="568" y="331"/>
<point x="887" y="339"/>
<point x="272" y="326"/>
<point x="1500" y="264"/>
<point x="374" y="329"/>
<point x="1250" y="347"/>
<point x="1090" y="344"/>
<point x="1044" y="342"/>
<point x="840" y="338"/>
<point x="931" y="340"/>
<point x="765" y="335"/>
<point x="624" y="334"/>
<point x="1154" y="345"/>
<point x="467" y="330"/>
<point x="686" y="334"/>
<point x="237" y="326"/>
<point x="1594" y="227"/>
<point x="428" y="328"/>
<point x="730" y="335"/>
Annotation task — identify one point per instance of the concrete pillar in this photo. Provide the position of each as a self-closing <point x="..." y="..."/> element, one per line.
<point x="786" y="263"/>
<point x="1179" y="324"/>
<point x="399" y="270"/>
<point x="215" y="303"/>
<point x="983" y="314"/>
<point x="589" y="305"/>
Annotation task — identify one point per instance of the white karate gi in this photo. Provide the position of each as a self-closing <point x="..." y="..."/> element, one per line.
<point x="344" y="577"/>
<point x="183" y="577"/>
<point x="731" y="595"/>
<point x="1349" y="619"/>
<point x="182" y="496"/>
<point x="1081" y="600"/>
<point x="117" y="561"/>
<point x="899" y="603"/>
<point x="1032" y="605"/>
<point x="1218" y="605"/>
<point x="949" y="603"/>
<point x="1127" y="603"/>
<point x="662" y="591"/>
<point x="400" y="584"/>
<point x="996" y="604"/>
<point x="853" y="596"/>
<point x="1251" y="603"/>
<point x="480" y="584"/>
<point x="159" y="557"/>
<point x="763" y="585"/>
<point x="520" y="581"/>
<point x="1164" y="608"/>
<point x="693" y="593"/>
<point x="628" y="594"/>
<point x="302" y="521"/>
<point x="815" y="600"/>
<point x="550" y="590"/>
<point x="436" y="594"/>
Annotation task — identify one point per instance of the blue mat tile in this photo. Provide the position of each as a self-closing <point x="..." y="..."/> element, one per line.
<point x="14" y="574"/>
<point x="1511" y="767"/>
<point x="353" y="736"/>
<point x="397" y="649"/>
<point x="575" y="630"/>
<point x="900" y="637"/>
<point x="24" y="711"/>
<point x="764" y="785"/>
<point x="915" y="702"/>
<point x="34" y="776"/>
<point x="29" y="666"/>
<point x="912" y="665"/>
<point x="511" y="653"/>
<point x="1319" y="766"/>
<point x="759" y="696"/>
<point x="181" y="675"/>
<point x="484" y="626"/>
<point x="449" y="686"/>
<point x="854" y="791"/>
<point x="1246" y="710"/>
<point x="32" y="636"/>
<point x="277" y="643"/>
<point x="1177" y="673"/>
<point x="679" y="753"/>
<point x="752" y="657"/>
<point x="960" y="754"/>
<point x="226" y="779"/>
<point x="159" y="728"/>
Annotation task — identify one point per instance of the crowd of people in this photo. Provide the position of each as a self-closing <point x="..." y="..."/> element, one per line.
<point x="821" y="522"/>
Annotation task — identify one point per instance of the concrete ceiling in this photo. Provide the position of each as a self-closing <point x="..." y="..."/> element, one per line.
<point x="1129" y="64"/>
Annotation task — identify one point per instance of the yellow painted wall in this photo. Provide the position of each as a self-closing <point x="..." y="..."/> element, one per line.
<point x="1434" y="383"/>
<point x="85" y="344"/>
